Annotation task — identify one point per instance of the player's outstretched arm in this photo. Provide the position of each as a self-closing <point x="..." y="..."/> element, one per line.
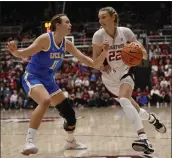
<point x="34" y="48"/>
<point x="77" y="53"/>
<point x="99" y="54"/>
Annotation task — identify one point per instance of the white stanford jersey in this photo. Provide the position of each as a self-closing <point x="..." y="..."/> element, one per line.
<point x="123" y="35"/>
<point x="113" y="80"/>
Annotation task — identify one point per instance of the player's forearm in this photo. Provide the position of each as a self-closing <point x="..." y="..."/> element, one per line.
<point x="18" y="54"/>
<point x="98" y="62"/>
<point x="145" y="55"/>
<point x="23" y="53"/>
<point x="87" y="61"/>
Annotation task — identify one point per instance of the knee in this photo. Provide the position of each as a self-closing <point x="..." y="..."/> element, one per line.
<point x="124" y="101"/>
<point x="68" y="113"/>
<point x="46" y="101"/>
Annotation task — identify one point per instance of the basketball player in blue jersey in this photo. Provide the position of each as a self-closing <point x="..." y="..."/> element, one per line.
<point x="47" y="52"/>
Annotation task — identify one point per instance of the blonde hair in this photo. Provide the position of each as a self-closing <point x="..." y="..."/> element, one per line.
<point x="112" y="12"/>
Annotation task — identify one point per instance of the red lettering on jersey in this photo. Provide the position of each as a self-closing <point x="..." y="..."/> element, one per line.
<point x="113" y="55"/>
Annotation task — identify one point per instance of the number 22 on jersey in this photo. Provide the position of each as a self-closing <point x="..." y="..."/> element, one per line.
<point x="114" y="55"/>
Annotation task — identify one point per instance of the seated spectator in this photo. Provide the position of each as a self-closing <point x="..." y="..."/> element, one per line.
<point x="72" y="97"/>
<point x="13" y="99"/>
<point x="65" y="93"/>
<point x="90" y="91"/>
<point x="136" y="93"/>
<point x="21" y="98"/>
<point x="151" y="52"/>
<point x="142" y="99"/>
<point x="156" y="96"/>
<point x="86" y="82"/>
<point x="160" y="72"/>
<point x="93" y="79"/>
<point x="166" y="97"/>
<point x="164" y="52"/>
<point x="157" y="50"/>
<point x="163" y="83"/>
<point x="78" y="100"/>
<point x="85" y="98"/>
<point x="168" y="73"/>
<point x="78" y="82"/>
<point x="147" y="93"/>
<point x="154" y="67"/>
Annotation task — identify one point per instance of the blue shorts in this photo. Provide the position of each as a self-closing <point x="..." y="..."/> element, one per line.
<point x="29" y="81"/>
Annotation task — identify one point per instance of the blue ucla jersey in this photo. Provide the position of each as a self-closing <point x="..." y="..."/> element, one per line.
<point x="46" y="63"/>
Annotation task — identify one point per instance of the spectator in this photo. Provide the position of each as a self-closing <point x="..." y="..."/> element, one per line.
<point x="78" y="100"/>
<point x="156" y="97"/>
<point x="157" y="50"/>
<point x="65" y="93"/>
<point x="142" y="99"/>
<point x="78" y="82"/>
<point x="86" y="82"/>
<point x="13" y="99"/>
<point x="91" y="92"/>
<point x="85" y="97"/>
<point x="164" y="83"/>
<point x="21" y="98"/>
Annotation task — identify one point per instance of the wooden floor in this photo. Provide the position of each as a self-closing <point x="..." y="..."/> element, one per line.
<point x="105" y="131"/>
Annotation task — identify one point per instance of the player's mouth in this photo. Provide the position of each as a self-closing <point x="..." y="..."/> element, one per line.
<point x="103" y="25"/>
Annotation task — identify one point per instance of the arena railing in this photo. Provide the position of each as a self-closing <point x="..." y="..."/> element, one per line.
<point x="159" y="39"/>
<point x="10" y="29"/>
<point x="86" y="43"/>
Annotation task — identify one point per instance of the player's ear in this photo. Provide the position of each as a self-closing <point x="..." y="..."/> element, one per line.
<point x="57" y="25"/>
<point x="113" y="17"/>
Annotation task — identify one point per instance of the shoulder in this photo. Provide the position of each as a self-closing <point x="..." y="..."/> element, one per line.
<point x="129" y="35"/>
<point x="43" y="38"/>
<point x="125" y="30"/>
<point x="98" y="36"/>
<point x="99" y="32"/>
<point x="69" y="46"/>
<point x="68" y="42"/>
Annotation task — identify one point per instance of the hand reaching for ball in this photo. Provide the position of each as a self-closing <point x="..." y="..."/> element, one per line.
<point x="105" y="45"/>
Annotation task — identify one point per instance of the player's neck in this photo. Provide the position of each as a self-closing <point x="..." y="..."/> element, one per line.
<point x="58" y="37"/>
<point x="111" y="31"/>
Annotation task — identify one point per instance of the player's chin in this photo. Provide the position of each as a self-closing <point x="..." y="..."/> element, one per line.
<point x="68" y="32"/>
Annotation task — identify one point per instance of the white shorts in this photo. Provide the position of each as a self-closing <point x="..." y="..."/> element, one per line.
<point x="113" y="81"/>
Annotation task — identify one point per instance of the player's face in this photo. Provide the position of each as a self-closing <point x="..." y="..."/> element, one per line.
<point x="65" y="25"/>
<point x="105" y="19"/>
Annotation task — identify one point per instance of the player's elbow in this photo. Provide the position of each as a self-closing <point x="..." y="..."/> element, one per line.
<point x="96" y="64"/>
<point x="145" y="56"/>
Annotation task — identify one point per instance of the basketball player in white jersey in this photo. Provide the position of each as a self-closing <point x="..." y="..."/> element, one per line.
<point x="107" y="44"/>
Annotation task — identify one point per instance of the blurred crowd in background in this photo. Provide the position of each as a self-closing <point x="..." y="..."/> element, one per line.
<point x="80" y="83"/>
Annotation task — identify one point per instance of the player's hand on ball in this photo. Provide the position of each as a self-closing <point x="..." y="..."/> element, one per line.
<point x="12" y="47"/>
<point x="105" y="45"/>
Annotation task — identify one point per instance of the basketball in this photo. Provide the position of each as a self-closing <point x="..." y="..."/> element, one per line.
<point x="132" y="54"/>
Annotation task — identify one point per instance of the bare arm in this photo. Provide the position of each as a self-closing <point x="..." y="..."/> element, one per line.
<point x="98" y="56"/>
<point x="145" y="54"/>
<point x="77" y="53"/>
<point x="39" y="44"/>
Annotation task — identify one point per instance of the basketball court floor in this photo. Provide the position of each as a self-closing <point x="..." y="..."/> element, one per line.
<point x="106" y="132"/>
